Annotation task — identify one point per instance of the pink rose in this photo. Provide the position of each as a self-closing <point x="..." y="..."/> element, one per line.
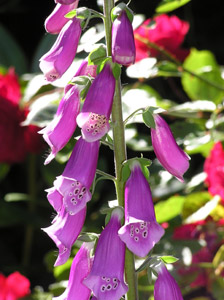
<point x="14" y="286"/>
<point x="214" y="169"/>
<point x="167" y="32"/>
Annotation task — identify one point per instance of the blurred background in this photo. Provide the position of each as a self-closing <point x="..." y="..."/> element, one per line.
<point x="24" y="209"/>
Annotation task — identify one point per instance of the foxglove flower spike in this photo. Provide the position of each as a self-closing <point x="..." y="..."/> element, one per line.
<point x="141" y="231"/>
<point x="95" y="114"/>
<point x="169" y="154"/>
<point x="106" y="278"/>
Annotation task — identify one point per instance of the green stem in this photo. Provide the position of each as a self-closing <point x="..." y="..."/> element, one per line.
<point x="177" y="62"/>
<point x="31" y="208"/>
<point x="120" y="154"/>
<point x="106" y="175"/>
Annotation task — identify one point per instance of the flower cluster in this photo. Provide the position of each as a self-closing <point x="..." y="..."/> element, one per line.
<point x="24" y="139"/>
<point x="165" y="31"/>
<point x="14" y="287"/>
<point x="100" y="273"/>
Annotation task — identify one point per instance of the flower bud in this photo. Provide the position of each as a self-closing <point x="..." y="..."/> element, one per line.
<point x="169" y="154"/>
<point x="123" y="45"/>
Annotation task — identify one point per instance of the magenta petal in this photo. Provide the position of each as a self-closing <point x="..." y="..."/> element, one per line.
<point x="123" y="45"/>
<point x="166" y="286"/>
<point x="140" y="237"/>
<point x="95" y="114"/>
<point x="56" y="20"/>
<point x="106" y="278"/>
<point x="64" y="232"/>
<point x="55" y="198"/>
<point x="65" y="2"/>
<point x="80" y="269"/>
<point x="60" y="129"/>
<point x="169" y="154"/>
<point x="59" y="58"/>
<point x="75" y="195"/>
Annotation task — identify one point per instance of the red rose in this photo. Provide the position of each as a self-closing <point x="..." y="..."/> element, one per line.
<point x="9" y="86"/>
<point x="166" y="32"/>
<point x="15" y="140"/>
<point x="14" y="286"/>
<point x="214" y="169"/>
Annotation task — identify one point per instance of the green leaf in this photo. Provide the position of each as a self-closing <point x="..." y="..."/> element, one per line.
<point x="116" y="70"/>
<point x="10" y="52"/>
<point x="126" y="168"/>
<point x="88" y="237"/>
<point x="62" y="272"/>
<point x="169" y="209"/>
<point x="13" y="197"/>
<point x="169" y="259"/>
<point x="4" y="169"/>
<point x="80" y="13"/>
<point x="167" y="69"/>
<point x="166" y="6"/>
<point x="97" y="55"/>
<point x="148" y="118"/>
<point x="203" y="63"/>
<point x="71" y="14"/>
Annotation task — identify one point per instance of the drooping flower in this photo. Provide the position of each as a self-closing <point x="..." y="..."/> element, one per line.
<point x="74" y="183"/>
<point x="59" y="131"/>
<point x="169" y="154"/>
<point x="65" y="2"/>
<point x="93" y="119"/>
<point x="83" y="70"/>
<point x="58" y="59"/>
<point x="165" y="31"/>
<point x="214" y="169"/>
<point x="56" y="20"/>
<point x="80" y="269"/>
<point x="64" y="231"/>
<point x="106" y="278"/>
<point x="14" y="287"/>
<point x="166" y="286"/>
<point x="141" y="231"/>
<point x="123" y="45"/>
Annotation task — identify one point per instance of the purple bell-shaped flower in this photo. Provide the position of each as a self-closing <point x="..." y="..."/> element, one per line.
<point x="169" y="154"/>
<point x="65" y="2"/>
<point x="58" y="59"/>
<point x="95" y="114"/>
<point x="59" y="131"/>
<point x="166" y="286"/>
<point x="141" y="231"/>
<point x="123" y="44"/>
<point x="106" y="278"/>
<point x="56" y="20"/>
<point x="74" y="183"/>
<point x="80" y="269"/>
<point x="64" y="231"/>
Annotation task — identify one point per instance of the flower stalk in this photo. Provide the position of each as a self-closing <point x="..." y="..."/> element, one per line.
<point x="119" y="154"/>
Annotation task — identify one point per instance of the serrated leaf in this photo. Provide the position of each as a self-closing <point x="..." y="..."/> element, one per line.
<point x="166" y="6"/>
<point x="169" y="259"/>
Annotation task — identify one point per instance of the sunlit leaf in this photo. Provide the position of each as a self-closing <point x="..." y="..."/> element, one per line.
<point x="166" y="6"/>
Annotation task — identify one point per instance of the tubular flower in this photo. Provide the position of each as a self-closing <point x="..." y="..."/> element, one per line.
<point x="141" y="231"/>
<point x="58" y="59"/>
<point x="56" y="20"/>
<point x="123" y="44"/>
<point x="74" y="183"/>
<point x="59" y="131"/>
<point x="96" y="110"/>
<point x="106" y="278"/>
<point x="64" y="231"/>
<point x="80" y="269"/>
<point x="170" y="155"/>
<point x="83" y="70"/>
<point x="166" y="286"/>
